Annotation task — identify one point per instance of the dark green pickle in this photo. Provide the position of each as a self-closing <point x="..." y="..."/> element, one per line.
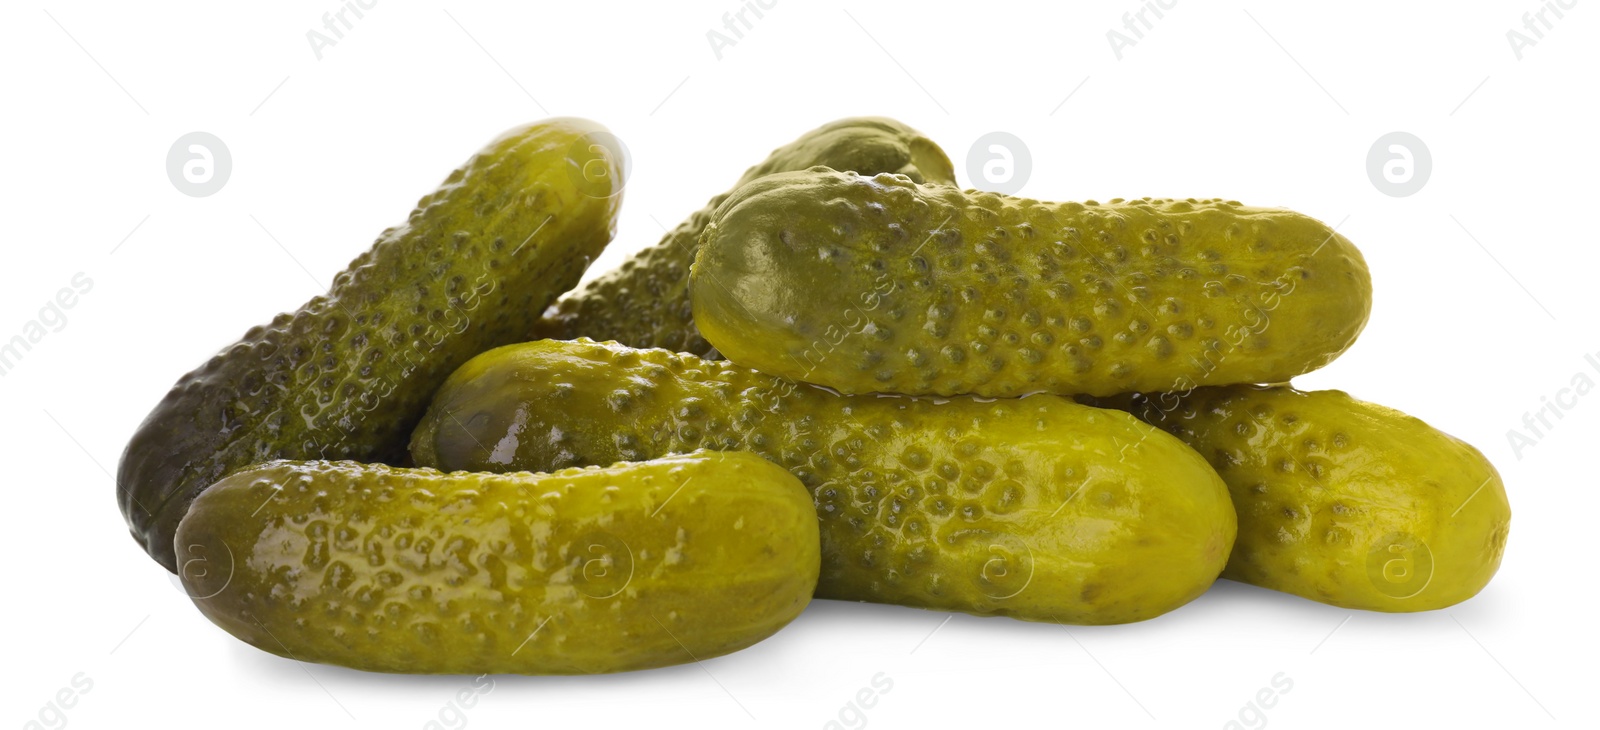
<point x="347" y="375"/>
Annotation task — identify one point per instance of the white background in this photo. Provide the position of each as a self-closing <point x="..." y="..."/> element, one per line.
<point x="1484" y="309"/>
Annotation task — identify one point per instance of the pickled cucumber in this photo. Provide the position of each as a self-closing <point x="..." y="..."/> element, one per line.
<point x="1036" y="508"/>
<point x="1342" y="501"/>
<point x="577" y="572"/>
<point x="348" y="374"/>
<point x="869" y="284"/>
<point x="645" y="302"/>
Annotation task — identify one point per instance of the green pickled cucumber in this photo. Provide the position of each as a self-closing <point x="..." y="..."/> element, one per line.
<point x="645" y="302"/>
<point x="871" y="284"/>
<point x="1342" y="501"/>
<point x="348" y="374"/>
<point x="578" y="572"/>
<point x="1036" y="508"/>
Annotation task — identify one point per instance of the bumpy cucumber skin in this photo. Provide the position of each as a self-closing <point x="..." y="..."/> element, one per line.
<point x="870" y="284"/>
<point x="645" y="302"/>
<point x="1324" y="484"/>
<point x="348" y="374"/>
<point x="579" y="572"/>
<point x="1035" y="508"/>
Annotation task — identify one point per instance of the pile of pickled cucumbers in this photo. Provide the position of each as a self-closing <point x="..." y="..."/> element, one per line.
<point x="845" y="378"/>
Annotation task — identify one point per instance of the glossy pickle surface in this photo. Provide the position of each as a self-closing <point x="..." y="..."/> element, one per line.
<point x="590" y="570"/>
<point x="1036" y="508"/>
<point x="1343" y="501"/>
<point x="348" y="374"/>
<point x="878" y="284"/>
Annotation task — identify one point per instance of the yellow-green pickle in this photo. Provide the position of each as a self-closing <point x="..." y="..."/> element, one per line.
<point x="589" y="570"/>
<point x="347" y="375"/>
<point x="866" y="284"/>
<point x="1343" y="501"/>
<point x="1036" y="508"/>
<point x="645" y="302"/>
